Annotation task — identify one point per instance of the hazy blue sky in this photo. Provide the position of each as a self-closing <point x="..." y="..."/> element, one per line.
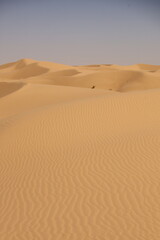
<point x="80" y="32"/>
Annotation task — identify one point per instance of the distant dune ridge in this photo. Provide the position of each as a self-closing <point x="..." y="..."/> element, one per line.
<point x="79" y="151"/>
<point x="105" y="76"/>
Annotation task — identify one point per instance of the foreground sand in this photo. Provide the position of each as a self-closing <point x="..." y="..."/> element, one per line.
<point x="75" y="162"/>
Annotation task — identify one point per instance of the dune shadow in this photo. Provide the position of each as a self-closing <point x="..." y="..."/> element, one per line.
<point x="8" y="88"/>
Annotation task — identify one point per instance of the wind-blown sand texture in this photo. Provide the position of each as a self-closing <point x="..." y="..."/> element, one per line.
<point x="78" y="163"/>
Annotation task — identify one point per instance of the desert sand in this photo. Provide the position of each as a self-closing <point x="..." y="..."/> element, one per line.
<point x="79" y="151"/>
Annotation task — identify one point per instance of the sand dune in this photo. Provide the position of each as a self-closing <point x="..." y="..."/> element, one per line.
<point x="116" y="80"/>
<point x="104" y="76"/>
<point x="26" y="68"/>
<point x="79" y="163"/>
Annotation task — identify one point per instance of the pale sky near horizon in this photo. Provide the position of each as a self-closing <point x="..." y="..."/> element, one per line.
<point x="80" y="32"/>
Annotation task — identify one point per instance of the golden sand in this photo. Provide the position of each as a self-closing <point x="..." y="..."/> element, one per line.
<point x="79" y="152"/>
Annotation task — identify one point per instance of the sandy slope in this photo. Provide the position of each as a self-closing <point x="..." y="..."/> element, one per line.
<point x="75" y="162"/>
